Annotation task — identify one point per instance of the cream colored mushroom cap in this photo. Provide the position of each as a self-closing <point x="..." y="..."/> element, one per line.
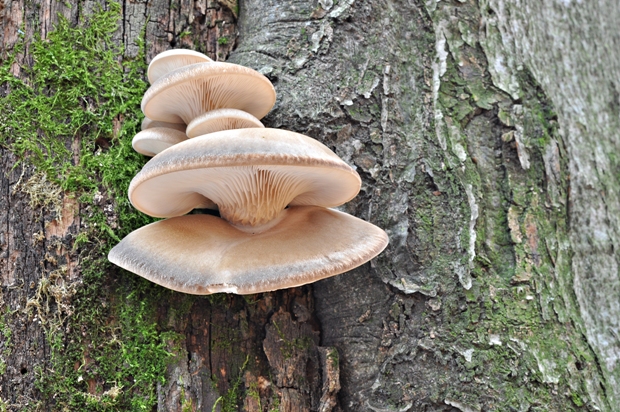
<point x="152" y="141"/>
<point x="202" y="254"/>
<point x="149" y="124"/>
<point x="251" y="174"/>
<point x="170" y="60"/>
<point x="190" y="91"/>
<point x="221" y="119"/>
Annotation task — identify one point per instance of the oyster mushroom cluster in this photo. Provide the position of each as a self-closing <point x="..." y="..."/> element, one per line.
<point x="271" y="188"/>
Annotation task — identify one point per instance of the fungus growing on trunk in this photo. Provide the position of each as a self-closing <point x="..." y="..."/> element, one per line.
<point x="153" y="140"/>
<point x="190" y="91"/>
<point x="202" y="254"/>
<point x="170" y="60"/>
<point x="272" y="188"/>
<point x="251" y="174"/>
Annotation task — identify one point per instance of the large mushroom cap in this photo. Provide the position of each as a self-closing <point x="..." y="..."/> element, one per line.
<point x="221" y="119"/>
<point x="193" y="90"/>
<point x="151" y="141"/>
<point x="202" y="254"/>
<point x="170" y="60"/>
<point x="251" y="174"/>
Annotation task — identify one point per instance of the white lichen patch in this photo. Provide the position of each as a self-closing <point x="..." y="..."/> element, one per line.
<point x="439" y="69"/>
<point x="468" y="354"/>
<point x="324" y="31"/>
<point x="495" y="340"/>
<point x="462" y="406"/>
<point x="501" y="64"/>
<point x="547" y="368"/>
<point x="473" y="207"/>
<point x="342" y="7"/>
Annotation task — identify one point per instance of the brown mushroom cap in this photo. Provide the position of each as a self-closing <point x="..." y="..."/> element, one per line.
<point x="190" y="91"/>
<point x="251" y="174"/>
<point x="151" y="141"/>
<point x="149" y="124"/>
<point x="221" y="119"/>
<point x="202" y="254"/>
<point x="170" y="60"/>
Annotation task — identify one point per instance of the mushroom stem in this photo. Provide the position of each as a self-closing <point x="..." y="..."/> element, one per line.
<point x="259" y="228"/>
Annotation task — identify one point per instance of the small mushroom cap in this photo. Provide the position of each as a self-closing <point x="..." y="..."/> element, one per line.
<point x="149" y="124"/>
<point x="190" y="91"/>
<point x="152" y="141"/>
<point x="221" y="119"/>
<point x="251" y="174"/>
<point x="203" y="254"/>
<point x="170" y="60"/>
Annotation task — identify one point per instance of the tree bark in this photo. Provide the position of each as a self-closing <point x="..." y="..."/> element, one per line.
<point x="485" y="133"/>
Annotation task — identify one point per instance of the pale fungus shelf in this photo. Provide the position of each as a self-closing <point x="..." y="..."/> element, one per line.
<point x="153" y="140"/>
<point x="272" y="188"/>
<point x="202" y="254"/>
<point x="251" y="174"/>
<point x="170" y="60"/>
<point x="188" y="92"/>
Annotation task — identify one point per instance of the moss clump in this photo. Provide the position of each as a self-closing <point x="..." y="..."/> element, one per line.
<point x="71" y="117"/>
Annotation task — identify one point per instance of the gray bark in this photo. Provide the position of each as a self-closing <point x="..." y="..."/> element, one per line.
<point x="572" y="50"/>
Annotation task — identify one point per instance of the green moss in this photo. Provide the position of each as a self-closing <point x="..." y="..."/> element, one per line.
<point x="291" y="346"/>
<point x="5" y="342"/>
<point x="230" y="400"/>
<point x="72" y="117"/>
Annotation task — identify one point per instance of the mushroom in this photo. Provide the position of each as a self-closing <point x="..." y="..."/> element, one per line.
<point x="221" y="119"/>
<point x="149" y="124"/>
<point x="151" y="141"/>
<point x="251" y="174"/>
<point x="203" y="254"/>
<point x="172" y="60"/>
<point x="190" y="91"/>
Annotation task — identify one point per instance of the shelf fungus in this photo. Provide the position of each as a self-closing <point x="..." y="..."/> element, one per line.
<point x="153" y="140"/>
<point x="170" y="60"/>
<point x="203" y="254"/>
<point x="190" y="91"/>
<point x="273" y="189"/>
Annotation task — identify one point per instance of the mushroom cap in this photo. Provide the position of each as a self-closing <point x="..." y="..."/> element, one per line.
<point x="170" y="60"/>
<point x="251" y="174"/>
<point x="221" y="119"/>
<point x="151" y="141"/>
<point x="190" y="91"/>
<point x="149" y="124"/>
<point x="203" y="254"/>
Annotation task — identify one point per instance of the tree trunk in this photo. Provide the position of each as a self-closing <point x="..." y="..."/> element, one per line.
<point x="485" y="133"/>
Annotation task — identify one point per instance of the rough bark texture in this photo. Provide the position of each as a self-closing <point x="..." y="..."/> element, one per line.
<point x="486" y="135"/>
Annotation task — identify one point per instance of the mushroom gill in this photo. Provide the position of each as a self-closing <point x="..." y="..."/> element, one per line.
<point x="190" y="91"/>
<point x="251" y="174"/>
